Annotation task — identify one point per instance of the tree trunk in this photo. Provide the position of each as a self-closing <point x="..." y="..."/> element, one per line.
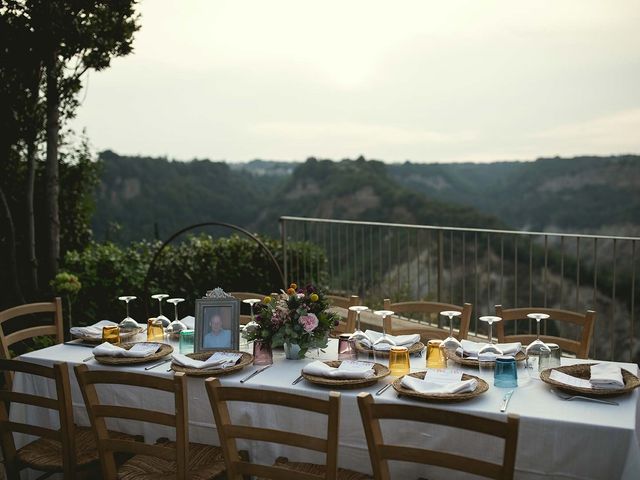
<point x="31" y="177"/>
<point x="11" y="249"/>
<point x="51" y="171"/>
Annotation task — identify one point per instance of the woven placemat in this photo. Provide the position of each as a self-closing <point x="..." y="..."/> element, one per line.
<point x="582" y="370"/>
<point x="441" y="397"/>
<point x="380" y="372"/>
<point x="163" y="351"/>
<point x="124" y="335"/>
<point x="246" y="359"/>
<point x="415" y="348"/>
<point x="473" y="362"/>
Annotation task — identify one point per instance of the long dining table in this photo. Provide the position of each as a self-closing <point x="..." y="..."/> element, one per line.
<point x="557" y="438"/>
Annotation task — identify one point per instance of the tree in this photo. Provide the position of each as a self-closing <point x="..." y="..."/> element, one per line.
<point x="73" y="36"/>
<point x="46" y="46"/>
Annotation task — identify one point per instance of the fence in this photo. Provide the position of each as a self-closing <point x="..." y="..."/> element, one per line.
<point x="479" y="266"/>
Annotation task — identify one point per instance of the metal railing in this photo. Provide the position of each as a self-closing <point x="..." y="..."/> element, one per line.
<point x="482" y="267"/>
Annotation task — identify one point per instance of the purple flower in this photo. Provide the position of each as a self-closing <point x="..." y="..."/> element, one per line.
<point x="309" y="322"/>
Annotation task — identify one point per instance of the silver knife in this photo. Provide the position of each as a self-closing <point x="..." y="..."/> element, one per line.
<point x="297" y="380"/>
<point x="383" y="389"/>
<point x="505" y="401"/>
<point x="255" y="372"/>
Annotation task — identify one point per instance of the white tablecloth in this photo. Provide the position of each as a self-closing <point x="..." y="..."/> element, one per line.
<point x="557" y="439"/>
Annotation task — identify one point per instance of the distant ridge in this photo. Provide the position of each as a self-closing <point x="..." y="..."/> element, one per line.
<point x="142" y="197"/>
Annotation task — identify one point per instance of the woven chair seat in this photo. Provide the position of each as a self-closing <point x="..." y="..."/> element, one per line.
<point x="303" y="467"/>
<point x="45" y="454"/>
<point x="205" y="463"/>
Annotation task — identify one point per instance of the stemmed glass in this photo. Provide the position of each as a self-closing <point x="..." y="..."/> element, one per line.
<point x="537" y="347"/>
<point x="490" y="347"/>
<point x="358" y="334"/>
<point x="161" y="296"/>
<point x="252" y="325"/>
<point x="176" y="326"/>
<point x="128" y="323"/>
<point x="384" y="340"/>
<point x="451" y="343"/>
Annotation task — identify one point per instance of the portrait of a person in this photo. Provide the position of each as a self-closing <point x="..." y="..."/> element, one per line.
<point x="217" y="336"/>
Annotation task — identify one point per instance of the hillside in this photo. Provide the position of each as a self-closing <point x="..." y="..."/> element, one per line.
<point x="152" y="197"/>
<point x="362" y="190"/>
<point x="141" y="197"/>
<point x="584" y="194"/>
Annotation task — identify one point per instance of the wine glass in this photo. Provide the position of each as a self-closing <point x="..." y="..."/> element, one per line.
<point x="537" y="347"/>
<point x="451" y="343"/>
<point x="252" y="325"/>
<point x="176" y="326"/>
<point x="358" y="334"/>
<point x="384" y="339"/>
<point x="490" y="347"/>
<point x="128" y="323"/>
<point x="161" y="296"/>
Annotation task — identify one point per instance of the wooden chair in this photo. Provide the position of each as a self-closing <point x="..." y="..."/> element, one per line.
<point x="68" y="449"/>
<point x="282" y="468"/>
<point x="584" y="322"/>
<point x="7" y="340"/>
<point x="244" y="319"/>
<point x="380" y="453"/>
<point x="349" y="323"/>
<point x="428" y="332"/>
<point x="165" y="459"/>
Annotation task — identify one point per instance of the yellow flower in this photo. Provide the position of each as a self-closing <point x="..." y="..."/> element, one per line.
<point x="294" y="286"/>
<point x="266" y="299"/>
<point x="314" y="297"/>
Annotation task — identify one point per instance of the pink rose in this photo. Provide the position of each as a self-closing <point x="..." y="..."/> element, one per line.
<point x="309" y="322"/>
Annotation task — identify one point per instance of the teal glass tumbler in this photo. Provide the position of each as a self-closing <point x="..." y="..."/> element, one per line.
<point x="186" y="342"/>
<point x="505" y="373"/>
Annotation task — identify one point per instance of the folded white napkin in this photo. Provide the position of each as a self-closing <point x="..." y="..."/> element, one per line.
<point x="401" y="340"/>
<point x="94" y="330"/>
<point x="347" y="369"/>
<point x="138" y="350"/>
<point x="606" y="375"/>
<point x="431" y="386"/>
<point x="217" y="360"/>
<point x="471" y="349"/>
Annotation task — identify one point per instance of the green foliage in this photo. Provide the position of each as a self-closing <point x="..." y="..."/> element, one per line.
<point x="188" y="269"/>
<point x="66" y="283"/>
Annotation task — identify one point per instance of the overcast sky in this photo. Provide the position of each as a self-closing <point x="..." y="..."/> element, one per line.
<point x="426" y="81"/>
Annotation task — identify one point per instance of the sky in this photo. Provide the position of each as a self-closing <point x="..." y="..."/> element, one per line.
<point x="424" y="81"/>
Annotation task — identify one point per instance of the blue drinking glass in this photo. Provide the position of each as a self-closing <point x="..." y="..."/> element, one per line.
<point x="505" y="373"/>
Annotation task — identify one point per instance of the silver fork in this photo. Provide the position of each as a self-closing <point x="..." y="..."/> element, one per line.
<point x="566" y="396"/>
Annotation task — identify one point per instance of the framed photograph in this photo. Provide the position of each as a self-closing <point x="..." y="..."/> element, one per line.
<point x="217" y="324"/>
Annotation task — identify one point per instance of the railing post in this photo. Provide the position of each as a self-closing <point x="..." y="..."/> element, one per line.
<point x="283" y="240"/>
<point x="440" y="263"/>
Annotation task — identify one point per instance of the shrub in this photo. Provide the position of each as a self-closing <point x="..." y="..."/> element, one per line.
<point x="186" y="270"/>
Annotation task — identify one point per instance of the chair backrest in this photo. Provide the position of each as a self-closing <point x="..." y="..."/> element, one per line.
<point x="380" y="453"/>
<point x="98" y="412"/>
<point x="59" y="373"/>
<point x="228" y="433"/>
<point x="349" y="324"/>
<point x="432" y="308"/>
<point x="584" y="321"/>
<point x="244" y="319"/>
<point x="54" y="307"/>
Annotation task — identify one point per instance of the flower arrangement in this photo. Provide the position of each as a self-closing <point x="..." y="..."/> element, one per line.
<point x="298" y="316"/>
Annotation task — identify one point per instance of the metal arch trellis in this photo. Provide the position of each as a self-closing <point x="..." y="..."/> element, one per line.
<point x="150" y="270"/>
